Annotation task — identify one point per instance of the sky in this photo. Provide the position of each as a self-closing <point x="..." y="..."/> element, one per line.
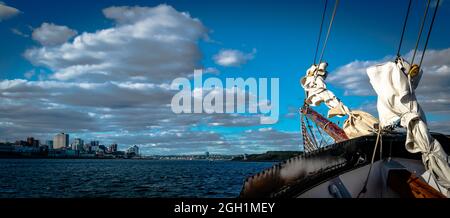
<point x="101" y="70"/>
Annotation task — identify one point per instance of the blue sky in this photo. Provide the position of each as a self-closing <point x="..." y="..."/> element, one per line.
<point x="279" y="35"/>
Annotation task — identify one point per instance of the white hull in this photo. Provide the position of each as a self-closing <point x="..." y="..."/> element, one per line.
<point x="350" y="184"/>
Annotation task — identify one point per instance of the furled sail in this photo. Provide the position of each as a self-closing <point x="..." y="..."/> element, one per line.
<point x="357" y="124"/>
<point x="397" y="103"/>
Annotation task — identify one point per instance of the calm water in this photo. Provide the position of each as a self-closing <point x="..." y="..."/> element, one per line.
<point x="122" y="178"/>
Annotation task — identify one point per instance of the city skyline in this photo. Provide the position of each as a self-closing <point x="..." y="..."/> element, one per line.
<point x="106" y="76"/>
<point x="111" y="148"/>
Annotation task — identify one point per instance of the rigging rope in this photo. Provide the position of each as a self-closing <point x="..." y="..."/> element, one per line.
<point x="420" y="31"/>
<point x="320" y="31"/>
<point x="404" y="28"/>
<point x="429" y="32"/>
<point x="364" y="189"/>
<point x="311" y="132"/>
<point x="309" y="142"/>
<point x="308" y="145"/>
<point x="329" y="30"/>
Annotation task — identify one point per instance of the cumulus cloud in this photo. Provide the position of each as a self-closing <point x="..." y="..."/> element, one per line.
<point x="233" y="58"/>
<point x="7" y="11"/>
<point x="49" y="34"/>
<point x="433" y="89"/>
<point x="146" y="44"/>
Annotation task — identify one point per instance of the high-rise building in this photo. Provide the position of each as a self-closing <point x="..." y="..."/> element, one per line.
<point x="61" y="140"/>
<point x="77" y="144"/>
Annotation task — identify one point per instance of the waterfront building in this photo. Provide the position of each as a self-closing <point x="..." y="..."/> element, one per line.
<point x="95" y="143"/>
<point x="133" y="151"/>
<point x="61" y="140"/>
<point x="113" y="148"/>
<point x="102" y="148"/>
<point x="21" y="143"/>
<point x="94" y="148"/>
<point x="32" y="142"/>
<point x="49" y="143"/>
<point x="77" y="144"/>
<point x="87" y="148"/>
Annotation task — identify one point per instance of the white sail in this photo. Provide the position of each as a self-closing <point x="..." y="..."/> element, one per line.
<point x="358" y="123"/>
<point x="397" y="104"/>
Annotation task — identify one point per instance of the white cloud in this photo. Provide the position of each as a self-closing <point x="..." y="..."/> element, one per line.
<point x="7" y="11"/>
<point x="149" y="44"/>
<point x="353" y="78"/>
<point x="233" y="58"/>
<point x="433" y="89"/>
<point x="19" y="33"/>
<point x="29" y="74"/>
<point x="211" y="70"/>
<point x="49" y="34"/>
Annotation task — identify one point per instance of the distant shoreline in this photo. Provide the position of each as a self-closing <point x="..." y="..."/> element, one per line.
<point x="47" y="157"/>
<point x="269" y="156"/>
<point x="99" y="158"/>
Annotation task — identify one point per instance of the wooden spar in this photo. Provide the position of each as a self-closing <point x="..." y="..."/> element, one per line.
<point x="329" y="127"/>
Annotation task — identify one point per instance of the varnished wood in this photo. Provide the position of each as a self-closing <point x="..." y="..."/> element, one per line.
<point x="408" y="185"/>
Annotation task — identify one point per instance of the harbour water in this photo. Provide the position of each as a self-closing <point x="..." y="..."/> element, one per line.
<point x="92" y="178"/>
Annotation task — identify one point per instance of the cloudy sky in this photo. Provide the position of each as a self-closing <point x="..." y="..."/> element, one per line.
<point x="102" y="71"/>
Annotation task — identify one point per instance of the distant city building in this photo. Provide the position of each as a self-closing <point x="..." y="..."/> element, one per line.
<point x="133" y="151"/>
<point x="95" y="143"/>
<point x="61" y="140"/>
<point x="87" y="148"/>
<point x="21" y="143"/>
<point x="77" y="144"/>
<point x="102" y="148"/>
<point x="32" y="142"/>
<point x="113" y="148"/>
<point x="49" y="143"/>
